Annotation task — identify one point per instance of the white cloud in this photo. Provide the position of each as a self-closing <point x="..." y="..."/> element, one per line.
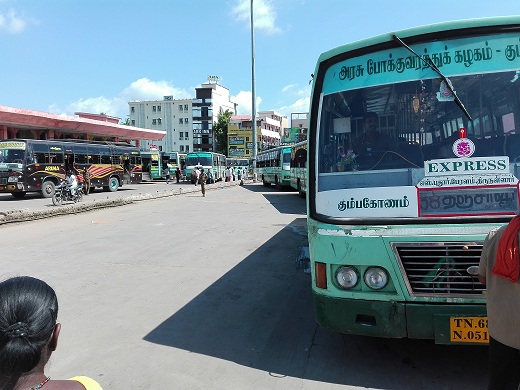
<point x="145" y="89"/>
<point x="263" y="13"/>
<point x="288" y="88"/>
<point x="300" y="105"/>
<point x="244" y="100"/>
<point x="11" y="22"/>
<point x="301" y="102"/>
<point x="141" y="89"/>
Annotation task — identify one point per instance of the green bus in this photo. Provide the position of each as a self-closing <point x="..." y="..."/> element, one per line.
<point x="273" y="166"/>
<point x="214" y="165"/>
<point x="414" y="156"/>
<point x="298" y="175"/>
<point x="155" y="161"/>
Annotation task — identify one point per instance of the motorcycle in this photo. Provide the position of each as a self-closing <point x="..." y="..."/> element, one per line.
<point x="62" y="193"/>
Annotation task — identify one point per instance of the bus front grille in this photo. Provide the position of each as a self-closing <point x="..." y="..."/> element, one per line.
<point x="440" y="269"/>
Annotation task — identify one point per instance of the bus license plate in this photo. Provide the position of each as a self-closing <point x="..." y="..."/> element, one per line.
<point x="469" y="330"/>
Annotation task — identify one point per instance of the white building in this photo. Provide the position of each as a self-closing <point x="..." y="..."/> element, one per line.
<point x="188" y="122"/>
<point x="173" y="116"/>
<point x="272" y="121"/>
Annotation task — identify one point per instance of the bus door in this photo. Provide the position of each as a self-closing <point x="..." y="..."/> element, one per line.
<point x="126" y="170"/>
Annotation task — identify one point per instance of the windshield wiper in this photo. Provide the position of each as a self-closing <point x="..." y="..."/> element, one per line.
<point x="432" y="65"/>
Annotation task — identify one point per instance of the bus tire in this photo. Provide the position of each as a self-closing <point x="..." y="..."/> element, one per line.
<point x="265" y="183"/>
<point x="113" y="184"/>
<point x="47" y="189"/>
<point x="19" y="195"/>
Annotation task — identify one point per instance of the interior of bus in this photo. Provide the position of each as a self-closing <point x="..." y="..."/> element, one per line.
<point x="416" y="121"/>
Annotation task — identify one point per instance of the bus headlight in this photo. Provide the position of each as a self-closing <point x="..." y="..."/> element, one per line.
<point x="376" y="278"/>
<point x="13" y="179"/>
<point x="347" y="277"/>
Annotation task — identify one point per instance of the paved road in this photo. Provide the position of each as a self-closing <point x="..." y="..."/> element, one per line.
<point x="33" y="201"/>
<point x="186" y="292"/>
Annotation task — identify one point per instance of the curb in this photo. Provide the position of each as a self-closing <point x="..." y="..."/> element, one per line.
<point x="76" y="208"/>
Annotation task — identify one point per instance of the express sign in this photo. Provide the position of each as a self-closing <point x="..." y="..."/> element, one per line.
<point x="467" y="166"/>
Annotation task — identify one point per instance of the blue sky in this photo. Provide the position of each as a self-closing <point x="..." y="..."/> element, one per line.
<point x="62" y="56"/>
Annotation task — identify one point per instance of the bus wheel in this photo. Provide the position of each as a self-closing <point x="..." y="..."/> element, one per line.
<point x="301" y="194"/>
<point x="47" y="189"/>
<point x="265" y="183"/>
<point x="113" y="184"/>
<point x="18" y="195"/>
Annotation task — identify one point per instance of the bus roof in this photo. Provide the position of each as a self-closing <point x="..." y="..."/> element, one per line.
<point x="422" y="30"/>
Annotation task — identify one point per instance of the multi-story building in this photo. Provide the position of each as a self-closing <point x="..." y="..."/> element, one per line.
<point x="171" y="115"/>
<point x="269" y="125"/>
<point x="188" y="122"/>
<point x="212" y="99"/>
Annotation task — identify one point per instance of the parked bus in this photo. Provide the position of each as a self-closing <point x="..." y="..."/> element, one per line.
<point x="28" y="165"/>
<point x="154" y="162"/>
<point x="240" y="164"/>
<point x="396" y="227"/>
<point x="273" y="166"/>
<point x="214" y="165"/>
<point x="298" y="176"/>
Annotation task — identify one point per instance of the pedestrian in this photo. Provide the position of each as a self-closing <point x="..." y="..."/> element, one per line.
<point x="29" y="334"/>
<point x="195" y="175"/>
<point x="166" y="173"/>
<point x="233" y="173"/>
<point x="86" y="184"/>
<point x="227" y="173"/>
<point x="202" y="179"/>
<point x="177" y="174"/>
<point x="499" y="270"/>
<point x="239" y="174"/>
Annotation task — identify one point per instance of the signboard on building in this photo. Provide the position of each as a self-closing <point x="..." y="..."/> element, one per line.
<point x="291" y="135"/>
<point x="236" y="141"/>
<point x="236" y="152"/>
<point x="213" y="79"/>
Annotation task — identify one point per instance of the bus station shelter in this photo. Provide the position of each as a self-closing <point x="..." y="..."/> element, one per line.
<point x="29" y="124"/>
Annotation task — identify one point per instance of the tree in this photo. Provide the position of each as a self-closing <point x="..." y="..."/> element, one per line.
<point x="220" y="131"/>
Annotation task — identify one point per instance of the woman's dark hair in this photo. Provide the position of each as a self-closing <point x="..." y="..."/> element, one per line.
<point x="28" y="313"/>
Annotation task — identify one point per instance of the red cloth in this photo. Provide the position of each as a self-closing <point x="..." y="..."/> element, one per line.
<point x="507" y="263"/>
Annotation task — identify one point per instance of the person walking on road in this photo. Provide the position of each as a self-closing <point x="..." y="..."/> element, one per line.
<point x="227" y="173"/>
<point x="86" y="183"/>
<point x="499" y="270"/>
<point x="177" y="174"/>
<point x="202" y="179"/>
<point x="166" y="173"/>
<point x="29" y="334"/>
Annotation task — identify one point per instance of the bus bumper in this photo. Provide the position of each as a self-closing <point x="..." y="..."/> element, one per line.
<point x="392" y="319"/>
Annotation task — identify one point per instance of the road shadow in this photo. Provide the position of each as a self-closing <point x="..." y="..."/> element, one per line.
<point x="278" y="198"/>
<point x="258" y="187"/>
<point x="260" y="315"/>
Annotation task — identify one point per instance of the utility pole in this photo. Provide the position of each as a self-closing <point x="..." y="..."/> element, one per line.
<point x="253" y="106"/>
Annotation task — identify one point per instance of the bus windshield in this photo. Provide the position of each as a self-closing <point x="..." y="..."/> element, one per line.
<point x="11" y="156"/>
<point x="199" y="160"/>
<point x="388" y="119"/>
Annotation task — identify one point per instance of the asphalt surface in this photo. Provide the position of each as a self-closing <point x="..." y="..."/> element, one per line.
<point x="173" y="290"/>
